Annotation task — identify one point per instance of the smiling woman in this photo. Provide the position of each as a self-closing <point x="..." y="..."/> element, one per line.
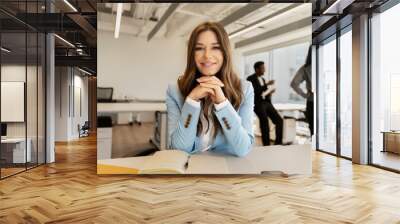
<point x="210" y="108"/>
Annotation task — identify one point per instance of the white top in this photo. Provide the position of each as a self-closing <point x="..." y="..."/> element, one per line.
<point x="266" y="92"/>
<point x="205" y="137"/>
<point x="261" y="81"/>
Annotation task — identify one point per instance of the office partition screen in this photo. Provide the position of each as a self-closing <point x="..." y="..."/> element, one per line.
<point x="183" y="91"/>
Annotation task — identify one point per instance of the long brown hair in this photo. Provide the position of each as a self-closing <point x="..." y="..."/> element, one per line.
<point x="232" y="88"/>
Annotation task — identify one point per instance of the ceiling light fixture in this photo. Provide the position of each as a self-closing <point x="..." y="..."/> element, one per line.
<point x="64" y="40"/>
<point x="337" y="7"/>
<point x="70" y="5"/>
<point x="262" y="21"/>
<point x="247" y="29"/>
<point x="118" y="20"/>
<point x="84" y="71"/>
<point x="5" y="50"/>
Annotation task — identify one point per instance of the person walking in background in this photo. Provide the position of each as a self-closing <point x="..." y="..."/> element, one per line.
<point x="263" y="105"/>
<point x="304" y="74"/>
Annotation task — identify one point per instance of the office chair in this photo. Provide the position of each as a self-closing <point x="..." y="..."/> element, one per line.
<point x="105" y="94"/>
<point x="84" y="130"/>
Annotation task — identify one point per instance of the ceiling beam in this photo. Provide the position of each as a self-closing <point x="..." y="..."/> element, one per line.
<point x="275" y="32"/>
<point x="186" y="12"/>
<point x="242" y="12"/>
<point x="91" y="5"/>
<point x="337" y="7"/>
<point x="85" y="61"/>
<point x="298" y="40"/>
<point x="264" y="20"/>
<point x="84" y="24"/>
<point x="131" y="12"/>
<point x="101" y="7"/>
<point x="321" y="21"/>
<point x="162" y="21"/>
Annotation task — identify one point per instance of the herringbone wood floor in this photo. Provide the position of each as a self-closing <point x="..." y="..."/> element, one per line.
<point x="69" y="191"/>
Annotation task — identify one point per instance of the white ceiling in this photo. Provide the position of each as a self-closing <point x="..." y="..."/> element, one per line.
<point x="140" y="18"/>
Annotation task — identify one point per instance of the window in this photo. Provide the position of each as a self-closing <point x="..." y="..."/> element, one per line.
<point x="385" y="89"/>
<point x="281" y="65"/>
<point x="327" y="96"/>
<point x="346" y="93"/>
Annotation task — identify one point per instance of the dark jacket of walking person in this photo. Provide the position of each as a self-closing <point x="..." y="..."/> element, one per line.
<point x="263" y="106"/>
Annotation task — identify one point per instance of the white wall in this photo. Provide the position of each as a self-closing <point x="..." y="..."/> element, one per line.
<point x="68" y="82"/>
<point x="17" y="73"/>
<point x="286" y="62"/>
<point x="33" y="126"/>
<point x="79" y="117"/>
<point x="141" y="69"/>
<point x="137" y="68"/>
<point x="62" y="80"/>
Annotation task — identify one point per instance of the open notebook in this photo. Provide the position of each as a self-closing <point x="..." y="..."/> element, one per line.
<point x="292" y="159"/>
<point x="164" y="162"/>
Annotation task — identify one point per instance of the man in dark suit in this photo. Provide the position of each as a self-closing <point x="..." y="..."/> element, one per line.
<point x="263" y="106"/>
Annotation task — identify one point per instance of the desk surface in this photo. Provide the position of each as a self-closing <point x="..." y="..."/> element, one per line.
<point x="391" y="132"/>
<point x="13" y="140"/>
<point x="161" y="106"/>
<point x="292" y="159"/>
<point x="289" y="106"/>
<point x="130" y="107"/>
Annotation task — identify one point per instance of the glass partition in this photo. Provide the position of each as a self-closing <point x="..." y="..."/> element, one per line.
<point x="22" y="77"/>
<point x="14" y="154"/>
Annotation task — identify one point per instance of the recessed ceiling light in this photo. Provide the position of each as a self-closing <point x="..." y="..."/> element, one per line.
<point x="84" y="71"/>
<point x="5" y="50"/>
<point x="64" y="40"/>
<point x="70" y="5"/>
<point x="118" y="20"/>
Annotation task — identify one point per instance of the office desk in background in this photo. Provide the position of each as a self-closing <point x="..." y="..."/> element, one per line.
<point x="290" y="113"/>
<point x="13" y="150"/>
<point x="126" y="110"/>
<point x="289" y="107"/>
<point x="159" y="138"/>
<point x="391" y="141"/>
<point x="144" y="106"/>
<point x="131" y="107"/>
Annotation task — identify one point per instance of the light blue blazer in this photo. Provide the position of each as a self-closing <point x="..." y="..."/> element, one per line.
<point x="236" y="137"/>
